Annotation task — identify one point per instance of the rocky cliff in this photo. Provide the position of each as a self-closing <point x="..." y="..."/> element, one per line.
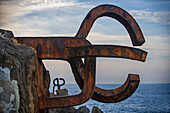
<point x="23" y="78"/>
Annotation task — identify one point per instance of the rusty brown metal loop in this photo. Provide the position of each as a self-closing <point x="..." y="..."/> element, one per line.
<point x="114" y="12"/>
<point x="108" y="51"/>
<point x="118" y="94"/>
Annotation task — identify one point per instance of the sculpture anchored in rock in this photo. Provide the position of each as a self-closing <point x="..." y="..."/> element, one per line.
<point x="58" y="84"/>
<point x="59" y="91"/>
<point x="72" y="49"/>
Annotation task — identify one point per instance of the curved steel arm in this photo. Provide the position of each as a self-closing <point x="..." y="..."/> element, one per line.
<point x="118" y="94"/>
<point x="134" y="31"/>
<point x="114" y="12"/>
<point x="87" y="90"/>
<point x="107" y="51"/>
<point x="102" y="95"/>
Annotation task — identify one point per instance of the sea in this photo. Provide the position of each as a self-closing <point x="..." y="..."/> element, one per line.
<point x="148" y="98"/>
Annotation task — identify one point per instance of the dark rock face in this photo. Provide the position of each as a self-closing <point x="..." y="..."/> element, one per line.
<point x="23" y="78"/>
<point x="62" y="110"/>
<point x="82" y="109"/>
<point x="62" y="92"/>
<point x="9" y="98"/>
<point x="96" y="110"/>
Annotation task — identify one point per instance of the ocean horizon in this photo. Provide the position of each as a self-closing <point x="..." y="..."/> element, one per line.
<point x="148" y="98"/>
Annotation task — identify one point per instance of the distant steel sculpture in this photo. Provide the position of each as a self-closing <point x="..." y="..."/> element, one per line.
<point x="72" y="49"/>
<point x="58" y="84"/>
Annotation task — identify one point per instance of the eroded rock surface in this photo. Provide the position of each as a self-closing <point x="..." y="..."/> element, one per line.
<point x="9" y="93"/>
<point x="25" y="73"/>
<point x="96" y="110"/>
<point x="82" y="109"/>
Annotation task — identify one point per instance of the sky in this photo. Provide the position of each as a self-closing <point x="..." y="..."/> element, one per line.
<point x="63" y="18"/>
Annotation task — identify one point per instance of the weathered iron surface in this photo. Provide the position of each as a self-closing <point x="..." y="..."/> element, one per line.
<point x="72" y="49"/>
<point x="87" y="91"/>
<point x="114" y="12"/>
<point x="118" y="94"/>
<point x="108" y="51"/>
<point x="125" y="90"/>
<point x="108" y="96"/>
<point x="52" y="47"/>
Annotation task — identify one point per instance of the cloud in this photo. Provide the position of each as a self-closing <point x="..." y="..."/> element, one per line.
<point x="10" y="10"/>
<point x="100" y="38"/>
<point x="45" y="4"/>
<point x="42" y="17"/>
<point x="162" y="17"/>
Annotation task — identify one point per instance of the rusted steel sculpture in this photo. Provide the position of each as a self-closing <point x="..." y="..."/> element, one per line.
<point x="58" y="84"/>
<point x="72" y="49"/>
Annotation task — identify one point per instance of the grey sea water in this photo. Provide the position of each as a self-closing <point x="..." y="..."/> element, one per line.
<point x="148" y="98"/>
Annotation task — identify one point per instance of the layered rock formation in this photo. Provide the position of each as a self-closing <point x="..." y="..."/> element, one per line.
<point x="23" y="78"/>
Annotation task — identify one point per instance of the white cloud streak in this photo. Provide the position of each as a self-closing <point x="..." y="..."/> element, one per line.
<point x="99" y="38"/>
<point x="162" y="17"/>
<point x="10" y="10"/>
